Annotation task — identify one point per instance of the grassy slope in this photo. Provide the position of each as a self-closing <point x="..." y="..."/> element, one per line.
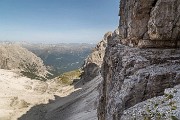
<point x="68" y="77"/>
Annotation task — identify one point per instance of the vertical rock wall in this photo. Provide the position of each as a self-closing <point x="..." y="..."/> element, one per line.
<point x="150" y="23"/>
<point x="132" y="74"/>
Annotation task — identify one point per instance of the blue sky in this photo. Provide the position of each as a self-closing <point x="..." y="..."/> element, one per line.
<point x="57" y="21"/>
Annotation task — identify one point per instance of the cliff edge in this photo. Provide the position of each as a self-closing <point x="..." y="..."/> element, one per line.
<point x="131" y="74"/>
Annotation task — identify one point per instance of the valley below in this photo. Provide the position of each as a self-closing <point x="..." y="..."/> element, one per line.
<point x="27" y="95"/>
<point x="62" y="57"/>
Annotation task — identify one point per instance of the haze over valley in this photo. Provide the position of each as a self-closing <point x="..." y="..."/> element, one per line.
<point x="62" y="57"/>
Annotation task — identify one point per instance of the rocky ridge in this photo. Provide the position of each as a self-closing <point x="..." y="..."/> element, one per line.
<point x="92" y="64"/>
<point x="14" y="57"/>
<point x="131" y="74"/>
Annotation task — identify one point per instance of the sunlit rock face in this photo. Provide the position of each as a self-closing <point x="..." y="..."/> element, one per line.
<point x="19" y="59"/>
<point x="93" y="63"/>
<point x="150" y="23"/>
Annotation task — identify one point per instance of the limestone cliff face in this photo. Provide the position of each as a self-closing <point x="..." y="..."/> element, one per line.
<point x="93" y="62"/>
<point x="14" y="57"/>
<point x="150" y="23"/>
<point x="132" y="74"/>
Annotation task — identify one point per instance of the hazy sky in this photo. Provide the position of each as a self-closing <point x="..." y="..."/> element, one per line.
<point x="57" y="21"/>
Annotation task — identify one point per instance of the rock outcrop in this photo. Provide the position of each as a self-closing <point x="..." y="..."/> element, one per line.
<point x="150" y="23"/>
<point x="14" y="57"/>
<point x="132" y="74"/>
<point x="93" y="63"/>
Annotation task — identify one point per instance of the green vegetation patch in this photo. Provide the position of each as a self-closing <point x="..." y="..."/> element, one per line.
<point x="33" y="76"/>
<point x="174" y="118"/>
<point x="68" y="77"/>
<point x="30" y="71"/>
<point x="168" y="96"/>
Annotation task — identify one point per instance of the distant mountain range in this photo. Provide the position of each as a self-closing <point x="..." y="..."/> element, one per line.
<point x="61" y="57"/>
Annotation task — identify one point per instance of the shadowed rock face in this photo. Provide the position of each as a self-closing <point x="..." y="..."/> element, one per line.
<point x="131" y="74"/>
<point x="150" y="23"/>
